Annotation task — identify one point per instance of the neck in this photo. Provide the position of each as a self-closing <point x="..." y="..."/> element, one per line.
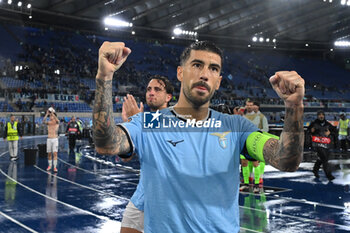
<point x="186" y="108"/>
<point x="160" y="108"/>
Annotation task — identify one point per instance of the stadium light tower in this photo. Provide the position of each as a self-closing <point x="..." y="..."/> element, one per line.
<point x="342" y="43"/>
<point x="116" y="22"/>
<point x="177" y="31"/>
<point x="185" y="34"/>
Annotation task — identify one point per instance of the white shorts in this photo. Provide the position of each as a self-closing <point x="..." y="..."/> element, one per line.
<point x="133" y="217"/>
<point x="52" y="145"/>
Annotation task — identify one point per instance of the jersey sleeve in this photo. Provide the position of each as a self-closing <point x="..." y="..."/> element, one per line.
<point x="133" y="130"/>
<point x="246" y="128"/>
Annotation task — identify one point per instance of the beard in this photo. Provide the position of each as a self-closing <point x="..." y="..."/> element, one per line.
<point x="201" y="99"/>
<point x="154" y="106"/>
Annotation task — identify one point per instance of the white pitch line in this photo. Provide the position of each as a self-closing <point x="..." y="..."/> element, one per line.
<point x="95" y="173"/>
<point x="18" y="223"/>
<point x="3" y="153"/>
<point x="115" y="165"/>
<point x="303" y="201"/>
<point x="298" y="218"/>
<point x="83" y="186"/>
<point x="249" y="230"/>
<point x="53" y="199"/>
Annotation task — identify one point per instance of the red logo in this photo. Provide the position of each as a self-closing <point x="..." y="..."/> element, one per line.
<point x="322" y="140"/>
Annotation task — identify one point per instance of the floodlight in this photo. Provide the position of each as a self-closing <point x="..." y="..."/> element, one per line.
<point x="116" y="22"/>
<point x="177" y="31"/>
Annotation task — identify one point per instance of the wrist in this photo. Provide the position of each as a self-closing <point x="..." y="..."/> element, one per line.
<point x="104" y="77"/>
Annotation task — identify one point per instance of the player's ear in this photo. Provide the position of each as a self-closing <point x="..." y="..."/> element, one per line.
<point x="168" y="97"/>
<point x="218" y="83"/>
<point x="180" y="73"/>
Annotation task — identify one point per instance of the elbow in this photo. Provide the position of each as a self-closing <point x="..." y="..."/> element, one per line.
<point x="105" y="151"/>
<point x="291" y="164"/>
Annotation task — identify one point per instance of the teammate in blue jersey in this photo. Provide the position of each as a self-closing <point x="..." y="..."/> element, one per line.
<point x="159" y="92"/>
<point x="189" y="153"/>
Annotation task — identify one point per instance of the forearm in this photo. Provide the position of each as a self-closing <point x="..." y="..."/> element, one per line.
<point x="45" y="119"/>
<point x="56" y="119"/>
<point x="287" y="153"/>
<point x="103" y="123"/>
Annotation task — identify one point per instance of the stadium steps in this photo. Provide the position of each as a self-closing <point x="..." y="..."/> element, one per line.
<point x="12" y="34"/>
<point x="13" y="105"/>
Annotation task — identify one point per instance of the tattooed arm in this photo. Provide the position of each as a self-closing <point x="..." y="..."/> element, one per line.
<point x="287" y="153"/>
<point x="109" y="139"/>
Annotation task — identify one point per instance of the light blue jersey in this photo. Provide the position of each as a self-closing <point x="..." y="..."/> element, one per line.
<point x="190" y="175"/>
<point x="138" y="197"/>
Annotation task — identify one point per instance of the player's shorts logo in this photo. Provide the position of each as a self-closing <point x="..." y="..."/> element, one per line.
<point x="151" y="120"/>
<point x="222" y="139"/>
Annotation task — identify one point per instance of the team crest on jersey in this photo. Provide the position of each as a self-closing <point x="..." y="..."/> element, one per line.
<point x="222" y="139"/>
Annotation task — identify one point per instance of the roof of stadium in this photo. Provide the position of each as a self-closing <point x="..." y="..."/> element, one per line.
<point x="299" y="24"/>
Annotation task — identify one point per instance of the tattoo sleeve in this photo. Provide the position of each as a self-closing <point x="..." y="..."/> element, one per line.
<point x="109" y="139"/>
<point x="287" y="153"/>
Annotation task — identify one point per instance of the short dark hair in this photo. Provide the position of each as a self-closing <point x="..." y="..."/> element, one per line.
<point x="249" y="101"/>
<point x="201" y="45"/>
<point x="256" y="103"/>
<point x="223" y="108"/>
<point x="169" y="88"/>
<point x="319" y="112"/>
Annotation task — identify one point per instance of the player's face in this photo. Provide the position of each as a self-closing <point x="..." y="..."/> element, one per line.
<point x="156" y="95"/>
<point x="255" y="108"/>
<point x="249" y="106"/>
<point x="200" y="76"/>
<point x="320" y="116"/>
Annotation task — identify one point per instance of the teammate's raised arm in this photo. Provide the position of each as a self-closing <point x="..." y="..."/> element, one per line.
<point x="287" y="153"/>
<point x="109" y="139"/>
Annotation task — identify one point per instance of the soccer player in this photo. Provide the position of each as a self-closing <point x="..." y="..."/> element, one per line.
<point x="158" y="94"/>
<point x="189" y="153"/>
<point x="52" y="138"/>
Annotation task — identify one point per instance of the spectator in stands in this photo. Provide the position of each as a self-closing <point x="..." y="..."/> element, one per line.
<point x="343" y="131"/>
<point x="321" y="132"/>
<point x="13" y="131"/>
<point x="19" y="104"/>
